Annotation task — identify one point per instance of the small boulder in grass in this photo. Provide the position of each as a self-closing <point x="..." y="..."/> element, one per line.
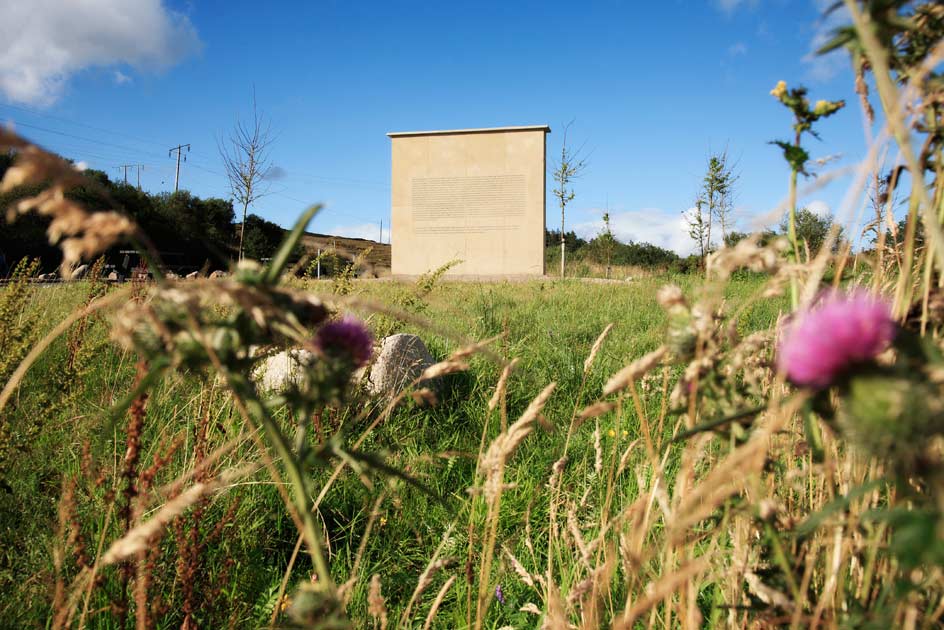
<point x="193" y="275"/>
<point x="79" y="272"/>
<point x="282" y="370"/>
<point x="344" y="349"/>
<point x="402" y="358"/>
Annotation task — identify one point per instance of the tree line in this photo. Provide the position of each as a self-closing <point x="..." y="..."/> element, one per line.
<point x="605" y="247"/>
<point x="191" y="233"/>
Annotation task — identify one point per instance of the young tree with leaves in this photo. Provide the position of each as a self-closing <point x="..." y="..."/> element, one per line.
<point x="606" y="243"/>
<point x="717" y="194"/>
<point x="811" y="230"/>
<point x="245" y="156"/>
<point x="570" y="167"/>
<point x="698" y="226"/>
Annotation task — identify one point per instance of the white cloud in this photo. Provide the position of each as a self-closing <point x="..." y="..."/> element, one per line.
<point x="823" y="68"/>
<point x="369" y="231"/>
<point x="44" y="42"/>
<point x="650" y="225"/>
<point x="737" y="48"/>
<point x="819" y="208"/>
<point x="121" y="78"/>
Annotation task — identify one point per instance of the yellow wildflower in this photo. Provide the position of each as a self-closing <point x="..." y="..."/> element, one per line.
<point x="779" y="90"/>
<point x="822" y="107"/>
<point x="611" y="433"/>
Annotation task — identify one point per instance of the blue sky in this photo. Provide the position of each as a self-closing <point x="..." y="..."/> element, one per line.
<point x="652" y="89"/>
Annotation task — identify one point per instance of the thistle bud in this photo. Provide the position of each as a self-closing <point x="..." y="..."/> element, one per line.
<point x="681" y="337"/>
<point x="890" y="416"/>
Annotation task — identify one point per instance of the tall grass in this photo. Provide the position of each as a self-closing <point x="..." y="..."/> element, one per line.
<point x="597" y="454"/>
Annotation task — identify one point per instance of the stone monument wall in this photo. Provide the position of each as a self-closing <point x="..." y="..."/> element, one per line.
<point x="474" y="195"/>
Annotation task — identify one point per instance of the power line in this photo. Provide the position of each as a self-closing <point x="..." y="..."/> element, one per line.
<point x="126" y="167"/>
<point x="93" y="140"/>
<point x="134" y="152"/>
<point x="81" y="124"/>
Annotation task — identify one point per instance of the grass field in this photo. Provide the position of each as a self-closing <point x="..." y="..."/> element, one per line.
<point x="760" y="444"/>
<point x="222" y="563"/>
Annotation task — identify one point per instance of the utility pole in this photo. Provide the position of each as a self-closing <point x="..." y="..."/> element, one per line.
<point x="381" y="241"/>
<point x="125" y="167"/>
<point x="179" y="149"/>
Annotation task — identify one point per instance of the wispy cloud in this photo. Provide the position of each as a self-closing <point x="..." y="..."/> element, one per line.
<point x="121" y="78"/>
<point x="650" y="225"/>
<point x="730" y="6"/>
<point x="275" y="173"/>
<point x="823" y="68"/>
<point x="737" y="48"/>
<point x="44" y="42"/>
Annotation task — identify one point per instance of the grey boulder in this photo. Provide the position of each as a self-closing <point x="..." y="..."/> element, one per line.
<point x="402" y="359"/>
<point x="282" y="370"/>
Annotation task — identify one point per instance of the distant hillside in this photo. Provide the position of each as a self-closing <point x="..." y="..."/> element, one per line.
<point x="378" y="259"/>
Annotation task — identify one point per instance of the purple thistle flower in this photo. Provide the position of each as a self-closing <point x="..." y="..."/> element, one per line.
<point x="499" y="595"/>
<point x="840" y="331"/>
<point x="346" y="338"/>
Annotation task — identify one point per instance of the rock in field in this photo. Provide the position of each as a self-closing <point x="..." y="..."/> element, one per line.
<point x="278" y="372"/>
<point x="193" y="275"/>
<point x="79" y="272"/>
<point x="402" y="358"/>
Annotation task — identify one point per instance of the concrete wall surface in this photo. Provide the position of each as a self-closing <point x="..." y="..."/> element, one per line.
<point x="474" y="195"/>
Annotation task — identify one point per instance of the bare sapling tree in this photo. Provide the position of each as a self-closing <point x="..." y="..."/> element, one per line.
<point x="245" y="155"/>
<point x="569" y="168"/>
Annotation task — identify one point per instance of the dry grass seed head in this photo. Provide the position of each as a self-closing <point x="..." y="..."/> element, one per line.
<point x="80" y="234"/>
<point x="440" y="596"/>
<point x="669" y="296"/>
<point x="526" y="577"/>
<point x="634" y="371"/>
<point x="588" y="362"/>
<point x="443" y="368"/>
<point x="473" y="348"/>
<point x="595" y="410"/>
<point x="747" y="253"/>
<point x="501" y="448"/>
<point x="376" y="604"/>
<point x="502" y="385"/>
<point x="138" y="538"/>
